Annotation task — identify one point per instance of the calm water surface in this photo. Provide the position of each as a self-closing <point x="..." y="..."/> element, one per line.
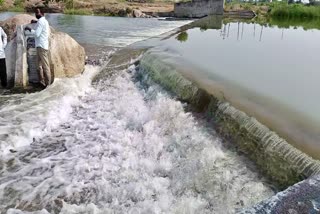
<point x="107" y="31"/>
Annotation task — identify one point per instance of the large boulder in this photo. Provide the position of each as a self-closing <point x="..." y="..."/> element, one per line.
<point x="67" y="57"/>
<point x="10" y="25"/>
<point x="139" y="14"/>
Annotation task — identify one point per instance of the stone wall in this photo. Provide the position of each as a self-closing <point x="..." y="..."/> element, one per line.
<point x="198" y="8"/>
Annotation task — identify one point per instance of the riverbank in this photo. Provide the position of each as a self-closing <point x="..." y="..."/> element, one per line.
<point x="275" y="10"/>
<point x="161" y="8"/>
<point x="99" y="8"/>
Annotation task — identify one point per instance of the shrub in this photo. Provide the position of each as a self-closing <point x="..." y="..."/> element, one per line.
<point x="295" y="11"/>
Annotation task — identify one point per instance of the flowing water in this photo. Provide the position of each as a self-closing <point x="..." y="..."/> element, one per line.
<point x="127" y="148"/>
<point x="269" y="72"/>
<point x="121" y="144"/>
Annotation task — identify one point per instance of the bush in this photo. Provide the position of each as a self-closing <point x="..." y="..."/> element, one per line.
<point x="18" y="3"/>
<point x="295" y="11"/>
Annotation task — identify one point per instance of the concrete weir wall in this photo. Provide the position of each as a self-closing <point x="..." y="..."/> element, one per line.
<point x="198" y="8"/>
<point x="280" y="161"/>
<point x="18" y="54"/>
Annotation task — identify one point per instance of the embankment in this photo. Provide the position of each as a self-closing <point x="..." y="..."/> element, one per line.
<point x="143" y="9"/>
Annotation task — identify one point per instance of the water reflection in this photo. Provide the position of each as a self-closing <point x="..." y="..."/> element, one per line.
<point x="182" y="37"/>
<point x="272" y="68"/>
<point x="242" y="30"/>
<point x="243" y="26"/>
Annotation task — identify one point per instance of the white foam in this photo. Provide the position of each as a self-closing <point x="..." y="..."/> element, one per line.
<point x="128" y="150"/>
<point x="33" y="115"/>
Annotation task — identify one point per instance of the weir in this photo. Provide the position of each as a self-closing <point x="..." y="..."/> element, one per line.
<point x="198" y="8"/>
<point x="282" y="162"/>
<point x="125" y="147"/>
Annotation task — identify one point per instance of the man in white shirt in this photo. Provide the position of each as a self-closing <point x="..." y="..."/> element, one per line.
<point x="42" y="33"/>
<point x="3" y="68"/>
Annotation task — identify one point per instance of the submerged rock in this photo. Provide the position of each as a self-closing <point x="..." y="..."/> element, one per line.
<point x="67" y="57"/>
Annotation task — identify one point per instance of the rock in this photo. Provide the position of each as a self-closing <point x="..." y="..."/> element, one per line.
<point x="139" y="14"/>
<point x="51" y="7"/>
<point x="122" y="13"/>
<point x="114" y="11"/>
<point x="9" y="25"/>
<point x="46" y="9"/>
<point x="303" y="197"/>
<point x="67" y="57"/>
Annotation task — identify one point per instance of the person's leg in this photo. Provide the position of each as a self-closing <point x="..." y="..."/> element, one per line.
<point x="3" y="73"/>
<point x="45" y="65"/>
<point x="40" y="70"/>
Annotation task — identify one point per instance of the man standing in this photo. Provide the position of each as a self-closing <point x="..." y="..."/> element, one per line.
<point x="42" y="33"/>
<point x="3" y="67"/>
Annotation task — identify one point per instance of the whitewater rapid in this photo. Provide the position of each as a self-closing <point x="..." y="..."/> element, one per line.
<point x="119" y="146"/>
<point x="27" y="117"/>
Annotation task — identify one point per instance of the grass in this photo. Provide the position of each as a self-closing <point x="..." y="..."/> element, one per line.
<point x="277" y="9"/>
<point x="16" y="9"/>
<point x="77" y="12"/>
<point x="295" y="11"/>
<point x="86" y="12"/>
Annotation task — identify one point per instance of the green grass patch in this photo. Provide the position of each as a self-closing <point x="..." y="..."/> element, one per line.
<point x="84" y="12"/>
<point x="295" y="11"/>
<point x="16" y="9"/>
<point x="277" y="9"/>
<point x="77" y="12"/>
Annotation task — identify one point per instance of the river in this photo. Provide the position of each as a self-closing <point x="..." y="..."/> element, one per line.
<point x="119" y="145"/>
<point x="267" y="71"/>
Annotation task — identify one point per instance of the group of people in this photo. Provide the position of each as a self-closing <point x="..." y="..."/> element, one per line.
<point x="41" y="34"/>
